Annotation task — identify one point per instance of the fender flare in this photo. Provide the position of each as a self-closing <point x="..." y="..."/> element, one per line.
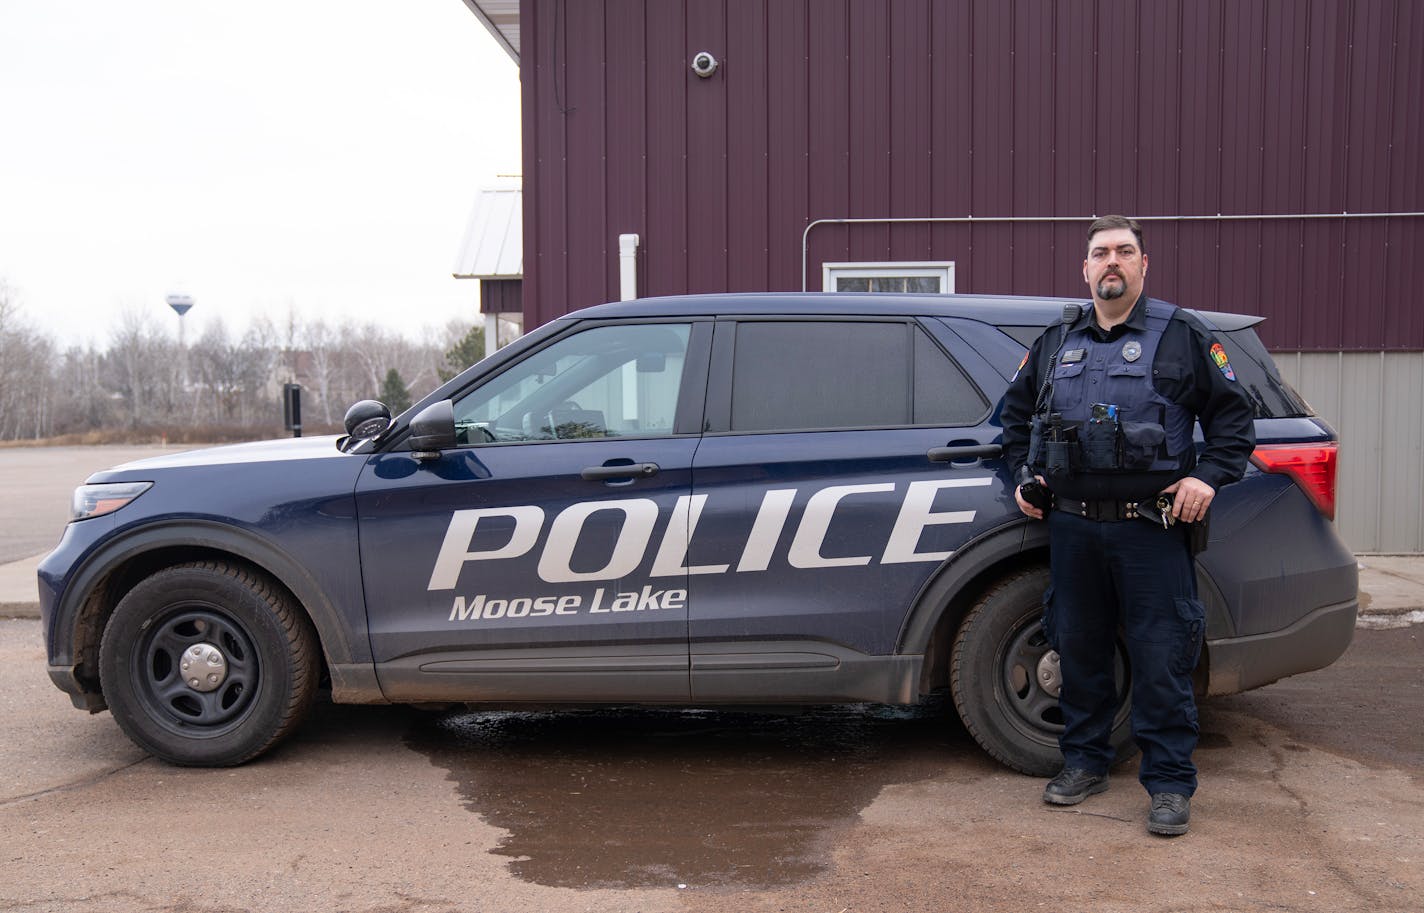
<point x="963" y="568"/>
<point x="202" y="534"/>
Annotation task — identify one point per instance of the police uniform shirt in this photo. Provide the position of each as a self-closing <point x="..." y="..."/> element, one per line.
<point x="1183" y="372"/>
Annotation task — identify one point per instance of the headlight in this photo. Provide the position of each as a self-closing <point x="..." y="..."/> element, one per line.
<point x="97" y="500"/>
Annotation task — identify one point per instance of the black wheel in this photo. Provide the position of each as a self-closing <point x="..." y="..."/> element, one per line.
<point x="1003" y="675"/>
<point x="207" y="664"/>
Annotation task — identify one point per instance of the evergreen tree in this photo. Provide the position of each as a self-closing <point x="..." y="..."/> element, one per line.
<point x="394" y="393"/>
<point x="470" y="349"/>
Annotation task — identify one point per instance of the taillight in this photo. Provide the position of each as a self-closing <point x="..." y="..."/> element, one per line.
<point x="1312" y="466"/>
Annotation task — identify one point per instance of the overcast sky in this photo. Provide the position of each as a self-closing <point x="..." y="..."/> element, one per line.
<point x="317" y="155"/>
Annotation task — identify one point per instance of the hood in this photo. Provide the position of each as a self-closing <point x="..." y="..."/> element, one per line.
<point x="303" y="448"/>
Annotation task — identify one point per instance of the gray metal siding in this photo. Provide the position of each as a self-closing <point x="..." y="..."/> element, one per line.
<point x="1375" y="401"/>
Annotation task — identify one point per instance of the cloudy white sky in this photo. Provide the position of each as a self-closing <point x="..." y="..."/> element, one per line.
<point x="320" y="156"/>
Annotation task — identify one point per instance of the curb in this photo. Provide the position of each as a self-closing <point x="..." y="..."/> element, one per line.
<point x="19" y="610"/>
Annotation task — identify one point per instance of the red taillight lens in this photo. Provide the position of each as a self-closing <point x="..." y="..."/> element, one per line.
<point x="1312" y="466"/>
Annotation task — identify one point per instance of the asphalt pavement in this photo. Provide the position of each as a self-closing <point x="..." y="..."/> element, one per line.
<point x="1311" y="791"/>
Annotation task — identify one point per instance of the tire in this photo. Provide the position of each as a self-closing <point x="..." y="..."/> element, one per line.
<point x="250" y="695"/>
<point x="994" y="676"/>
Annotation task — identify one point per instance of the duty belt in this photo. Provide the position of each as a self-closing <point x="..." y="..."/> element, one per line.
<point x="1157" y="512"/>
<point x="1099" y="510"/>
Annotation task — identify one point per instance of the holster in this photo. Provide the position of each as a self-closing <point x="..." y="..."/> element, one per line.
<point x="1198" y="533"/>
<point x="1158" y="512"/>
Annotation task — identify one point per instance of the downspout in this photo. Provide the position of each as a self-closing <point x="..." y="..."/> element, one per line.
<point x="628" y="267"/>
<point x="1083" y="220"/>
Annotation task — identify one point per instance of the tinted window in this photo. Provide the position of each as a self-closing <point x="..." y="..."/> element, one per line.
<point x="610" y="381"/>
<point x="1259" y="377"/>
<point x="814" y="374"/>
<point x="1025" y="335"/>
<point x="943" y="395"/>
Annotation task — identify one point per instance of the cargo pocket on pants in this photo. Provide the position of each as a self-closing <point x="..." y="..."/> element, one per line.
<point x="1193" y="618"/>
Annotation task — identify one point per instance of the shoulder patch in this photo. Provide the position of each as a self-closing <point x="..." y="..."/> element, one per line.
<point x="1019" y="368"/>
<point x="1218" y="355"/>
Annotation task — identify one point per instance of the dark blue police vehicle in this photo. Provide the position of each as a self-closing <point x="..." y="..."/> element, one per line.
<point x="719" y="500"/>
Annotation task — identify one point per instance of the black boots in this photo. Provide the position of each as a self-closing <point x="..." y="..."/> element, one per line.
<point x="1170" y="811"/>
<point x="1073" y="785"/>
<point x="1170" y="814"/>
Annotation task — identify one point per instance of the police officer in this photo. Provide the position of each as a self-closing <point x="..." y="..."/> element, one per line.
<point x="1100" y="415"/>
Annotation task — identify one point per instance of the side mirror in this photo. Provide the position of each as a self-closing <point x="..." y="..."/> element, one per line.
<point x="367" y="419"/>
<point x="433" y="430"/>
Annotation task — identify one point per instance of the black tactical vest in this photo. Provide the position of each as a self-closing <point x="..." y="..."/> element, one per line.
<point x="1113" y="418"/>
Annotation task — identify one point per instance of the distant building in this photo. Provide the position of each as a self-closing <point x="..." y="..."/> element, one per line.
<point x="493" y="253"/>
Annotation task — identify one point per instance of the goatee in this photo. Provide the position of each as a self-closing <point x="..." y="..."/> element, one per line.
<point x="1109" y="292"/>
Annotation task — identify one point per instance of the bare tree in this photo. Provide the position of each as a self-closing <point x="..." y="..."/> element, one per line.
<point x="26" y="387"/>
<point x="139" y="381"/>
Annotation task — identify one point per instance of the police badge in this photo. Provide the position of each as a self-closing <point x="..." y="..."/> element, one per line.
<point x="1132" y="350"/>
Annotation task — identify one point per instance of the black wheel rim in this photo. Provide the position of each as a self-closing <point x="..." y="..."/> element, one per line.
<point x="160" y="684"/>
<point x="1032" y="709"/>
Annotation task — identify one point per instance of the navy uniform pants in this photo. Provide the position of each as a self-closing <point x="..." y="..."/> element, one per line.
<point x="1137" y="577"/>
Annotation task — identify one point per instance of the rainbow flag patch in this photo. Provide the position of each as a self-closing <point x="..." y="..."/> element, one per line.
<point x="1218" y="355"/>
<point x="1019" y="368"/>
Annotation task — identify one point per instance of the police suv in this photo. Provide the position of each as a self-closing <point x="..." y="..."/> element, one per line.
<point x="710" y="500"/>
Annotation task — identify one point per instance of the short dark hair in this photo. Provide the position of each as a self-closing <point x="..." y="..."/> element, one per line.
<point x="1111" y="223"/>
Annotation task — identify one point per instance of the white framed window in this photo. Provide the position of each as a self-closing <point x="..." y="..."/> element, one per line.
<point x="901" y="276"/>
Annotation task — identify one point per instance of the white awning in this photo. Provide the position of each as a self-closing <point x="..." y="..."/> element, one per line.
<point x="501" y="17"/>
<point x="494" y="237"/>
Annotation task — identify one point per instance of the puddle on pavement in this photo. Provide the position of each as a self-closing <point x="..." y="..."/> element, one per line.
<point x="646" y="797"/>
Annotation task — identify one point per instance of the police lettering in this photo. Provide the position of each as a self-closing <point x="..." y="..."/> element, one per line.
<point x="639" y="517"/>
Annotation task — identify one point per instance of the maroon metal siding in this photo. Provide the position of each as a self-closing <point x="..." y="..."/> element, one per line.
<point x="826" y="109"/>
<point x="501" y="296"/>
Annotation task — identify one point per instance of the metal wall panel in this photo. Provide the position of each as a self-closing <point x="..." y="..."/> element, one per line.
<point x="920" y="108"/>
<point x="910" y="164"/>
<point x="664" y="243"/>
<point x="788" y="141"/>
<point x="501" y="296"/>
<point x="624" y="40"/>
<point x="1375" y="401"/>
<point x="748" y="145"/>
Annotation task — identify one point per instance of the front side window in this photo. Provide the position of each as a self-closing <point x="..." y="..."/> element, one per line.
<point x="608" y="381"/>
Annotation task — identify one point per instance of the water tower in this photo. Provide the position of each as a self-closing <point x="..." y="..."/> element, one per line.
<point x="181" y="304"/>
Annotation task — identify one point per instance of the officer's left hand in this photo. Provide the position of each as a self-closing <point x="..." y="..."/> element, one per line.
<point x="1193" y="497"/>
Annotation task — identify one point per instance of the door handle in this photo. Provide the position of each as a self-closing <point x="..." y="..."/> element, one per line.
<point x="963" y="451"/>
<point x="620" y="471"/>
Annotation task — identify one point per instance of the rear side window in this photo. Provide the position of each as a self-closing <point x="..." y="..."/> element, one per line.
<point x="1259" y="377"/>
<point x="943" y="395"/>
<point x="803" y="375"/>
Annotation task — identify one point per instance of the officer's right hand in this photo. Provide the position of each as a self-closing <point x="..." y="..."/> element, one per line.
<point x="1027" y="508"/>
